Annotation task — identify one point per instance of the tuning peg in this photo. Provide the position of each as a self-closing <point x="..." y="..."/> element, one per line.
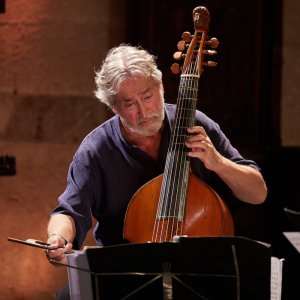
<point x="210" y="63"/>
<point x="186" y="36"/>
<point x="178" y="55"/>
<point x="181" y="45"/>
<point x="210" y="52"/>
<point x="213" y="42"/>
<point x="175" y="68"/>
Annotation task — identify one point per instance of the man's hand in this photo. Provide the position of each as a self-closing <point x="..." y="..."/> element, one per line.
<point x="202" y="148"/>
<point x="61" y="247"/>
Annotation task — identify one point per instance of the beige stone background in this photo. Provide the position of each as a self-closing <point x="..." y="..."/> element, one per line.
<point x="48" y="52"/>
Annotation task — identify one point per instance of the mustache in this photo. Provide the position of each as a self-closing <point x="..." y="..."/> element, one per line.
<point x="146" y="118"/>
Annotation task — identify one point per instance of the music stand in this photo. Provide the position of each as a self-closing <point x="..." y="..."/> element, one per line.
<point x="293" y="217"/>
<point x="192" y="268"/>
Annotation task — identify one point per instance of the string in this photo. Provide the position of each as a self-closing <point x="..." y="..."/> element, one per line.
<point x="172" y="202"/>
<point x="167" y="208"/>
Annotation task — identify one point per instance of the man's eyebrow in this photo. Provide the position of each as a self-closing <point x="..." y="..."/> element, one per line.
<point x="147" y="90"/>
<point x="141" y="93"/>
<point x="128" y="100"/>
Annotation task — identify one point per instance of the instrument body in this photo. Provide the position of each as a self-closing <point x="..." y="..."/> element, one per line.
<point x="178" y="203"/>
<point x="205" y="214"/>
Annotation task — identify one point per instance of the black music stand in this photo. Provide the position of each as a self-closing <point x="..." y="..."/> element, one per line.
<point x="192" y="268"/>
<point x="293" y="217"/>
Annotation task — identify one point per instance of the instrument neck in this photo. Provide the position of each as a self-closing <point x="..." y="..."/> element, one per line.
<point x="175" y="179"/>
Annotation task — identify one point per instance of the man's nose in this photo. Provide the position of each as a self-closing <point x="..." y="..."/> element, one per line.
<point x="141" y="109"/>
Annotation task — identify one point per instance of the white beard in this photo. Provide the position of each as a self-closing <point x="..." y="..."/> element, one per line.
<point x="149" y="130"/>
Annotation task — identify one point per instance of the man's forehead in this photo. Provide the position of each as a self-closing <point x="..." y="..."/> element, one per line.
<point x="130" y="88"/>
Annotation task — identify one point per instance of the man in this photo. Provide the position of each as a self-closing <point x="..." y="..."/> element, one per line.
<point x="128" y="150"/>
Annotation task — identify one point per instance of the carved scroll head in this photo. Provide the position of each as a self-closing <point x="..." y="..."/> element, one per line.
<point x="201" y="18"/>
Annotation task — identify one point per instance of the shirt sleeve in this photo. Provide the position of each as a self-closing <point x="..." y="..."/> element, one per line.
<point x="223" y="145"/>
<point x="221" y="141"/>
<point x="80" y="193"/>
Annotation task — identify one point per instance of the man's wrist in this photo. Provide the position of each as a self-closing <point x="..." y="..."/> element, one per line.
<point x="66" y="242"/>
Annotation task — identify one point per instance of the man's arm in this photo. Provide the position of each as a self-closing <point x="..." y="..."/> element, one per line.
<point x="246" y="183"/>
<point x="62" y="225"/>
<point x="61" y="233"/>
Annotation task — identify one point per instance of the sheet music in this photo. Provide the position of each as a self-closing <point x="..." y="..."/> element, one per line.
<point x="79" y="280"/>
<point x="276" y="278"/>
<point x="294" y="238"/>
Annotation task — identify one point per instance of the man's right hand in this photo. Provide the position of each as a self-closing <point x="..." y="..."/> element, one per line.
<point x="61" y="247"/>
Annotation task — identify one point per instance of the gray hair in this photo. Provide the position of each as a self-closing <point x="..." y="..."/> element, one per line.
<point x="121" y="63"/>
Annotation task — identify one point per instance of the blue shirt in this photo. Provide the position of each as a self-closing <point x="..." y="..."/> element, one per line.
<point x="106" y="171"/>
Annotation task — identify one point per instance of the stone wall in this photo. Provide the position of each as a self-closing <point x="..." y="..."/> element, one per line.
<point x="26" y="200"/>
<point x="49" y="51"/>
